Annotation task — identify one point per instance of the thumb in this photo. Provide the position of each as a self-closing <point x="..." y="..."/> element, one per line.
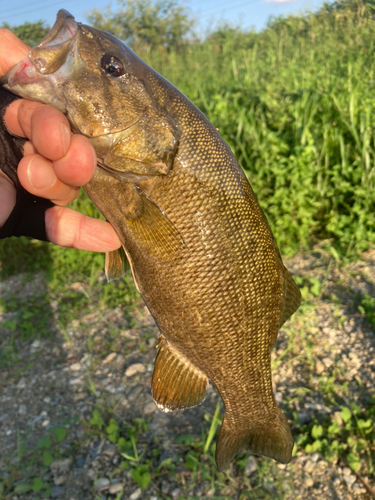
<point x="12" y="50"/>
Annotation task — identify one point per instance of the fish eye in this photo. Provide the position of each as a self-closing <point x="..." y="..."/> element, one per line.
<point x="112" y="65"/>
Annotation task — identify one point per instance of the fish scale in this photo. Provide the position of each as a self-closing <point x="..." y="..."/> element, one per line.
<point x="201" y="251"/>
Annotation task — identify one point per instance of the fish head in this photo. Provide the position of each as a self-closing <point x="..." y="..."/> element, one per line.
<point x="102" y="87"/>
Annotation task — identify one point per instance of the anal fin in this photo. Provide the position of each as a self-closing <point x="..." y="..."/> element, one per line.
<point x="176" y="382"/>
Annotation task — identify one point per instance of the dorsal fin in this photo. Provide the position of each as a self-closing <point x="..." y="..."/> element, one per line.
<point x="176" y="382"/>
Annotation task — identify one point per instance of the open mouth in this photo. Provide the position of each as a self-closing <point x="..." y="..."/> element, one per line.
<point x="48" y="56"/>
<point x="64" y="28"/>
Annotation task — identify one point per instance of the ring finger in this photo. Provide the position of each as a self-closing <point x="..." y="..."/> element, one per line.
<point x="39" y="178"/>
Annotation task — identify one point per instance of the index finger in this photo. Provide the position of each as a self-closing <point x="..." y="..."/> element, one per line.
<point x="12" y="50"/>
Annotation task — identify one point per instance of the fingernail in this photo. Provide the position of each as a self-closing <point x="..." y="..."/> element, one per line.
<point x="65" y="137"/>
<point x="40" y="173"/>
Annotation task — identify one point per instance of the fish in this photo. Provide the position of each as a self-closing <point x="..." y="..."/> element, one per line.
<point x="200" y="248"/>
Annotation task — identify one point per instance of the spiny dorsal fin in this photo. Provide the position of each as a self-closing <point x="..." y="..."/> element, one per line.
<point x="154" y="230"/>
<point x="116" y="264"/>
<point x="176" y="382"/>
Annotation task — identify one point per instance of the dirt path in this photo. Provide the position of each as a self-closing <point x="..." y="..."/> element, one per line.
<point x="59" y="392"/>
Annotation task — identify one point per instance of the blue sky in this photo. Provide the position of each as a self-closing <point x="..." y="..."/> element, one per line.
<point x="250" y="13"/>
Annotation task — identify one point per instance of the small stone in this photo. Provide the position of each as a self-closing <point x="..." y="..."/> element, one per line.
<point x="80" y="462"/>
<point x="279" y="397"/>
<point x="22" y="409"/>
<point x="75" y="367"/>
<point x="304" y="417"/>
<point x="119" y="361"/>
<point x="62" y="465"/>
<point x="165" y="487"/>
<point x="75" y="381"/>
<point x="251" y="466"/>
<point x="153" y="497"/>
<point x="80" y="397"/>
<point x="58" y="480"/>
<point x="102" y="483"/>
<point x="346" y="471"/>
<point x="56" y="491"/>
<point x="327" y="362"/>
<point x="109" y="449"/>
<point x="35" y="346"/>
<point x="319" y="367"/>
<point x="271" y="489"/>
<point x="47" y="400"/>
<point x="135" y="368"/>
<point x="91" y="473"/>
<point x="56" y="351"/>
<point x="176" y="493"/>
<point x="315" y="457"/>
<point x="309" y="466"/>
<point x="116" y="488"/>
<point x="308" y="482"/>
<point x="136" y="494"/>
<point x="135" y="393"/>
<point x="350" y="480"/>
<point x="149" y="408"/>
<point x="46" y="422"/>
<point x="108" y="359"/>
<point x="22" y="383"/>
<point x="347" y="328"/>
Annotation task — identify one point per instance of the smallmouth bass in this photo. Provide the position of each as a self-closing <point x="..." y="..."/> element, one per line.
<point x="201" y="251"/>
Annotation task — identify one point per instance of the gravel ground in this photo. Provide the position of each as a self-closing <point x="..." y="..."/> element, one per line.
<point x="103" y="360"/>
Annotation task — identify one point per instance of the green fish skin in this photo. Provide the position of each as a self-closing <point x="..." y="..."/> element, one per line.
<point x="201" y="251"/>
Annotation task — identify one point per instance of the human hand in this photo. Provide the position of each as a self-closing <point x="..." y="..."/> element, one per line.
<point x="54" y="165"/>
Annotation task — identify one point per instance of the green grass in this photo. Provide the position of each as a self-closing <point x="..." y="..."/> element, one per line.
<point x="296" y="104"/>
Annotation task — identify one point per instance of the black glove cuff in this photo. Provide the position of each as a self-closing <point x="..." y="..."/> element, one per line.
<point x="28" y="215"/>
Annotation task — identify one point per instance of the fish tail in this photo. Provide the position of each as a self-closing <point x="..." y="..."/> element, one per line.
<point x="268" y="438"/>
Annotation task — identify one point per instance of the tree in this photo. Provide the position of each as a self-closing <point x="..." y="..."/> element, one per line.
<point x="30" y="33"/>
<point x="146" y="23"/>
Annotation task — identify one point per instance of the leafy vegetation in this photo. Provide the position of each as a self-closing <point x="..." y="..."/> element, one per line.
<point x="146" y="24"/>
<point x="30" y="33"/>
<point x="295" y="103"/>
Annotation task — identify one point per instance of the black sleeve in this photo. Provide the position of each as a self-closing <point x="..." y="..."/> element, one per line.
<point x="27" y="217"/>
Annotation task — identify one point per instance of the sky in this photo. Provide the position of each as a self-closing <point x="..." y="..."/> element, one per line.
<point x="247" y="14"/>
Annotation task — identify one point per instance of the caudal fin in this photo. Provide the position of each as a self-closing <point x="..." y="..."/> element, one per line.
<point x="272" y="439"/>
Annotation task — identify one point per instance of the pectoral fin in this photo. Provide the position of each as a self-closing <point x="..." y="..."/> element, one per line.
<point x="176" y="382"/>
<point x="291" y="299"/>
<point x="153" y="229"/>
<point x="116" y="264"/>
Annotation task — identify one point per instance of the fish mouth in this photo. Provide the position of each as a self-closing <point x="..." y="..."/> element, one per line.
<point x="48" y="56"/>
<point x="51" y="53"/>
